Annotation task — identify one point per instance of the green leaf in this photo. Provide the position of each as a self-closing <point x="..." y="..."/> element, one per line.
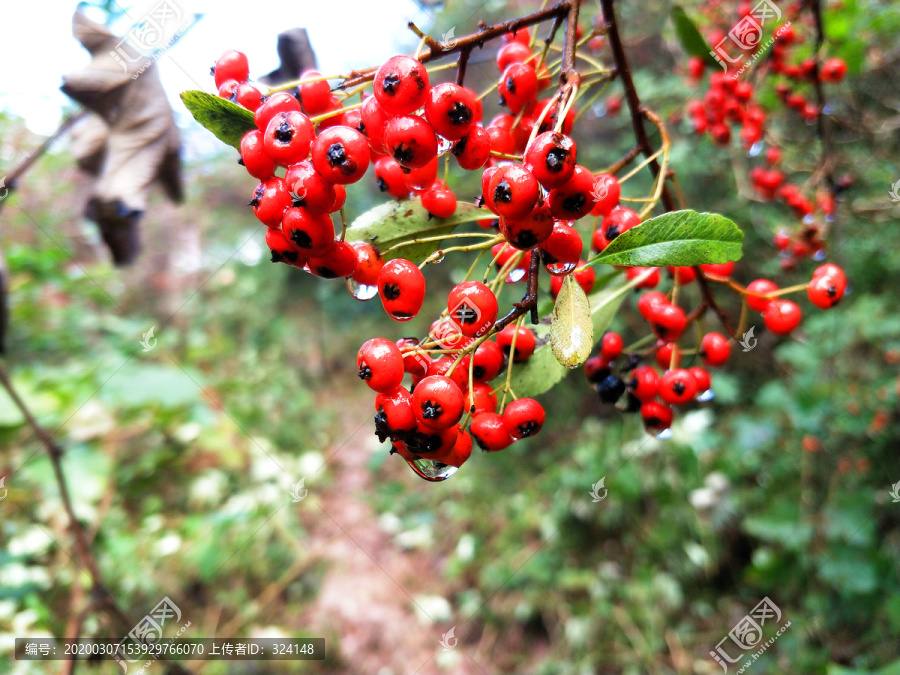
<point x="571" y="330"/>
<point x="542" y="371"/>
<point x="228" y="121"/>
<point x="393" y="223"/>
<point x="690" y="38"/>
<point x="678" y="238"/>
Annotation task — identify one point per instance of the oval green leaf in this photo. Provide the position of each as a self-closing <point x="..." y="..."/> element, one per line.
<point x="571" y="329"/>
<point x="228" y="121"/>
<point x="401" y="224"/>
<point x="692" y="41"/>
<point x="679" y="238"/>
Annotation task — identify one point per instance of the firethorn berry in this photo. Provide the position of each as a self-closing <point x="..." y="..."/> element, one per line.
<point x="781" y="316"/>
<point x="380" y="364"/>
<point x="667" y="321"/>
<point x="562" y="249"/>
<point x="514" y="191"/>
<point x="368" y="264"/>
<point x="644" y="383"/>
<point x="288" y="137"/>
<point x="758" y="288"/>
<point x="338" y="261"/>
<point x="501" y="140"/>
<point x="652" y="281"/>
<point x="415" y="360"/>
<point x="682" y="275"/>
<point x="611" y="345"/>
<point x="695" y="67"/>
<point x="585" y="276"/>
<point x="278" y="102"/>
<point x="488" y="360"/>
<point x="394" y="409"/>
<point x="401" y="286"/>
<point x="619" y="220"/>
<point x="231" y="65"/>
<point x="832" y="71"/>
<point x="421" y="178"/>
<point x="575" y="199"/>
<point x="714" y="349"/>
<point x="473" y="150"/>
<point x="401" y="85"/>
<point x="389" y="177"/>
<point x="518" y="86"/>
<point x="311" y="232"/>
<point x="410" y="140"/>
<point x="525" y="342"/>
<point x="647" y="301"/>
<point x="450" y="110"/>
<point x="677" y="386"/>
<point x="439" y="200"/>
<point x="474" y="308"/>
<point x="551" y="158"/>
<point x="701" y="377"/>
<point x="827" y="286"/>
<point x="437" y="402"/>
<point x="460" y="374"/>
<point x="315" y="97"/>
<point x="373" y="121"/>
<point x="227" y="89"/>
<point x="282" y="249"/>
<point x="537" y="108"/>
<point x="523" y="417"/>
<point x="530" y="231"/>
<point x="656" y="416"/>
<point x="248" y="96"/>
<point x="664" y="356"/>
<point x="483" y="398"/>
<point x="341" y="155"/>
<point x="254" y="157"/>
<point x="606" y="194"/>
<point x="489" y="431"/>
<point x="718" y="269"/>
<point x="513" y="52"/>
<point x="430" y="443"/>
<point x="308" y="189"/>
<point x="596" y="368"/>
<point x="340" y="196"/>
<point x="460" y="452"/>
<point x="270" y="199"/>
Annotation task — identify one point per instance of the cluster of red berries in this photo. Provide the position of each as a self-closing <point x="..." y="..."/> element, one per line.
<point x="730" y="100"/>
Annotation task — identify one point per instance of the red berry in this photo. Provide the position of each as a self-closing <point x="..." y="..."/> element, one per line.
<point x="525" y="342"/>
<point x="410" y="140"/>
<point x="450" y="110"/>
<point x="530" y="231"/>
<point x="518" y="86"/>
<point x="373" y="120"/>
<point x="647" y="301"/>
<point x="282" y="249"/>
<point x="315" y="97"/>
<point x="395" y="409"/>
<point x="562" y="249"/>
<point x="523" y="417"/>
<point x="643" y="383"/>
<point x="278" y="102"/>
<point x="248" y="96"/>
<point x="401" y="286"/>
<point x="288" y="137"/>
<point x="667" y="321"/>
<point x="664" y="356"/>
<point x="781" y="316"/>
<point x="611" y="346"/>
<point x="309" y="189"/>
<point x="473" y="306"/>
<point x="254" y="156"/>
<point x="513" y="52"/>
<point x="714" y="349"/>
<point x="380" y="364"/>
<point x="827" y="286"/>
<point x="656" y="417"/>
<point x="460" y="374"/>
<point x="683" y="275"/>
<point x="437" y="402"/>
<point x="489" y="431"/>
<point x="227" y="89"/>
<point x="430" y="443"/>
<point x="650" y="282"/>
<point x="231" y="65"/>
<point x="551" y="158"/>
<point x="575" y="199"/>
<point x="695" y="67"/>
<point x="473" y="150"/>
<point x="619" y="220"/>
<point x="501" y="140"/>
<point x="439" y="201"/>
<point x="421" y="178"/>
<point x="488" y="360"/>
<point x="520" y="35"/>
<point x="756" y="289"/>
<point x="368" y="264"/>
<point x="401" y="85"/>
<point x="483" y="398"/>
<point x="514" y="192"/>
<point x="596" y="369"/>
<point x="341" y="155"/>
<point x="832" y="71"/>
<point x="460" y="452"/>
<point x="718" y="269"/>
<point x="701" y="377"/>
<point x="389" y="177"/>
<point x="270" y="199"/>
<point x="606" y="194"/>
<point x="338" y="261"/>
<point x="311" y="232"/>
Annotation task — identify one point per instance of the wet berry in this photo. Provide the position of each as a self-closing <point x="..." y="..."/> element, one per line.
<point x="523" y="418"/>
<point x="401" y="85"/>
<point x="437" y="402"/>
<point x="341" y="155"/>
<point x="380" y="364"/>
<point x="410" y="140"/>
<point x="401" y="286"/>
<point x="489" y="431"/>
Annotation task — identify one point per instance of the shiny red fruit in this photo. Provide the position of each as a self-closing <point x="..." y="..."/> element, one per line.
<point x="523" y="418"/>
<point x="473" y="150"/>
<point x="401" y="286"/>
<point x="489" y="431"/>
<point x="715" y="349"/>
<point x="338" y="261"/>
<point x="311" y="232"/>
<point x="524" y="339"/>
<point x="474" y="308"/>
<point x="401" y="85"/>
<point x="551" y="158"/>
<point x="270" y="199"/>
<point x="450" y="110"/>
<point x="341" y="155"/>
<point x="410" y="140"/>
<point x="575" y="199"/>
<point x="437" y="402"/>
<point x="380" y="364"/>
<point x="782" y="316"/>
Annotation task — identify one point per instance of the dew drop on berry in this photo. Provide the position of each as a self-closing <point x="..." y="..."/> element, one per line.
<point x="707" y="395"/>
<point x="361" y="292"/>
<point x="664" y="435"/>
<point x="561" y="268"/>
<point x="516" y="275"/>
<point x="444" y="146"/>
<point x="432" y="470"/>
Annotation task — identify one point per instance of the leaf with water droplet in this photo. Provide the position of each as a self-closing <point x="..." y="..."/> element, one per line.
<point x="571" y="330"/>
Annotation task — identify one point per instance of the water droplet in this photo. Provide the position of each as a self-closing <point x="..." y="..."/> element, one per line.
<point x="707" y="395"/>
<point x="438" y="259"/>
<point x="561" y="268"/>
<point x="444" y="146"/>
<point x="361" y="292"/>
<point x="828" y="109"/>
<point x="819" y="255"/>
<point x="809" y="219"/>
<point x="755" y="149"/>
<point x="829" y="217"/>
<point x="599" y="109"/>
<point x="664" y="435"/>
<point x="516" y="275"/>
<point x="431" y="470"/>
